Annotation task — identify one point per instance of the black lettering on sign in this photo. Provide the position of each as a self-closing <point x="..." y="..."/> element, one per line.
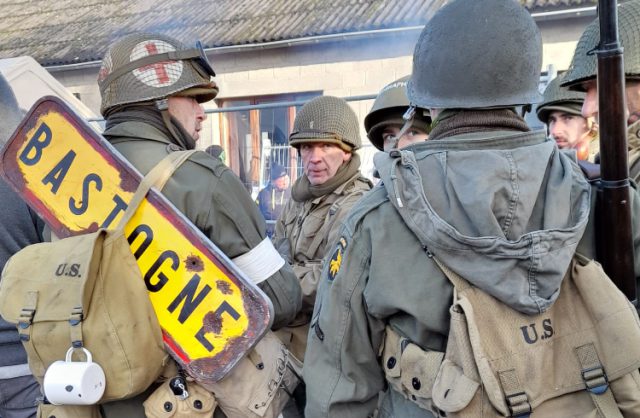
<point x="162" y="278"/>
<point x="40" y="140"/>
<point x="191" y="300"/>
<point x="202" y="339"/>
<point x="84" y="202"/>
<point x="121" y="206"/>
<point x="212" y="322"/>
<point x="58" y="173"/>
<point x="148" y="238"/>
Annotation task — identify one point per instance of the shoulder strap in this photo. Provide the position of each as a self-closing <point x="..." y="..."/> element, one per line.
<point x="157" y="177"/>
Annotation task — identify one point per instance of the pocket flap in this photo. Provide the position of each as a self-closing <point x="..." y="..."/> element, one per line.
<point x="453" y="390"/>
<point x="419" y="370"/>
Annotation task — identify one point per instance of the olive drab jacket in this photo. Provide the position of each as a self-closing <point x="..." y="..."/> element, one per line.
<point x="308" y="228"/>
<point x="210" y="195"/>
<point x="506" y="221"/>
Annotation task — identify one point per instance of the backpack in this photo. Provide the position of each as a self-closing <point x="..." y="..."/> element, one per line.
<point x="87" y="292"/>
<point x="579" y="358"/>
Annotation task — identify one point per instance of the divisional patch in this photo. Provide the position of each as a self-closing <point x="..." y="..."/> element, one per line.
<point x="336" y="258"/>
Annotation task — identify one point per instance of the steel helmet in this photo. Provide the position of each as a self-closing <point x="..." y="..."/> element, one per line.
<point x="326" y="119"/>
<point x="557" y="98"/>
<point x="477" y="54"/>
<point x="144" y="66"/>
<point x="584" y="63"/>
<point x="388" y="108"/>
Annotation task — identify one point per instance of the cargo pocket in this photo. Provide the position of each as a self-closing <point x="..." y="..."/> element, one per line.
<point x="261" y="383"/>
<point x="452" y="390"/>
<point x="163" y="403"/>
<point x="419" y="370"/>
<point x="47" y="410"/>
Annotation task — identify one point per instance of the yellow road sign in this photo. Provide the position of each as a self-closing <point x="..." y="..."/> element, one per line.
<point x="211" y="315"/>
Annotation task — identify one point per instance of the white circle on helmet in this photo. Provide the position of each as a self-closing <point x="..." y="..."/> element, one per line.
<point x="159" y="74"/>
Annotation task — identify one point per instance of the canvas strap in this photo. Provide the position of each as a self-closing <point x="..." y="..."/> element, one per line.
<point x="157" y="177"/>
<point x="596" y="382"/>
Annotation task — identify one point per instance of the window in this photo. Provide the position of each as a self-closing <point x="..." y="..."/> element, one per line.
<point x="255" y="131"/>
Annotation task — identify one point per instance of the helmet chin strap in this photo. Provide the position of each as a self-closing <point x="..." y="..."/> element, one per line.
<point x="408" y="121"/>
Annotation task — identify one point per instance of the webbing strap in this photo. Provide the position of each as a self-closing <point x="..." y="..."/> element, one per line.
<point x="75" y="329"/>
<point x="517" y="399"/>
<point x="596" y="382"/>
<point x="27" y="313"/>
<point x="157" y="177"/>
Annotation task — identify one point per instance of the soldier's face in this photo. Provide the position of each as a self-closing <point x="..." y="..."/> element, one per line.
<point x="567" y="130"/>
<point x="590" y="106"/>
<point x="189" y="113"/>
<point x="411" y="136"/>
<point x="321" y="161"/>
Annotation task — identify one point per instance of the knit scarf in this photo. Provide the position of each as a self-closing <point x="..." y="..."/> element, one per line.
<point x="457" y="122"/>
<point x="149" y="114"/>
<point x="303" y="190"/>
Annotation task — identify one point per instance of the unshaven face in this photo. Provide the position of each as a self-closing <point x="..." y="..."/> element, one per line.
<point x="322" y="160"/>
<point x="590" y="106"/>
<point x="566" y="129"/>
<point x="189" y="113"/>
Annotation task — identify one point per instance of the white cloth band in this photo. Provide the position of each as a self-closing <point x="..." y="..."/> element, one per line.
<point x="261" y="262"/>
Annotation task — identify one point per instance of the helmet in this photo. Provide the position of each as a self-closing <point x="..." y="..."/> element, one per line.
<point x="477" y="54"/>
<point x="388" y="108"/>
<point x="143" y="66"/>
<point x="584" y="63"/>
<point x="558" y="98"/>
<point x="9" y="109"/>
<point x="326" y="119"/>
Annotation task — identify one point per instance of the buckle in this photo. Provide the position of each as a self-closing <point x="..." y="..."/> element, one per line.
<point x="76" y="316"/>
<point x="518" y="404"/>
<point x="595" y="379"/>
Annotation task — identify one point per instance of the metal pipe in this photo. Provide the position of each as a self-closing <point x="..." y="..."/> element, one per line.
<point x="267" y="105"/>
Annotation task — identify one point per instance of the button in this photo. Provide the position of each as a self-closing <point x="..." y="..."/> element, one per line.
<point x="415" y="382"/>
<point x="197" y="404"/>
<point x="391" y="363"/>
<point x="168" y="406"/>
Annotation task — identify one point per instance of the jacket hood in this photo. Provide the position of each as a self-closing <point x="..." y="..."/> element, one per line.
<point x="503" y="210"/>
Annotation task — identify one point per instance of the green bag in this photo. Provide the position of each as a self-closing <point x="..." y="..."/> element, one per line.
<point x="88" y="291"/>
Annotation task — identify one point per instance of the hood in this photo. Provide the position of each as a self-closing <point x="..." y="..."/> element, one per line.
<point x="506" y="213"/>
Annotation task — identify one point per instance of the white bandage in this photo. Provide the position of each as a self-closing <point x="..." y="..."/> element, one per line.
<point x="261" y="262"/>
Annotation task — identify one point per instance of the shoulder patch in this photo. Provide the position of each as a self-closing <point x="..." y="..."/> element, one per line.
<point x="336" y="259"/>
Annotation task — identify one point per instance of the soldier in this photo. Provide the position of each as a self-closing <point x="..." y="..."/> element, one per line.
<point x="581" y="75"/>
<point x="152" y="88"/>
<point x="272" y="199"/>
<point x="561" y="112"/>
<point x="474" y="197"/>
<point x="326" y="135"/>
<point x="19" y="227"/>
<point x="384" y="121"/>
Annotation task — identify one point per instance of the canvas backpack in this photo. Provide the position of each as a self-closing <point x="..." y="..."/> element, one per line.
<point x="580" y="358"/>
<point x="87" y="291"/>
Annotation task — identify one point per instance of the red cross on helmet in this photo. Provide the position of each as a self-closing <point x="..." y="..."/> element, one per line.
<point x="143" y="67"/>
